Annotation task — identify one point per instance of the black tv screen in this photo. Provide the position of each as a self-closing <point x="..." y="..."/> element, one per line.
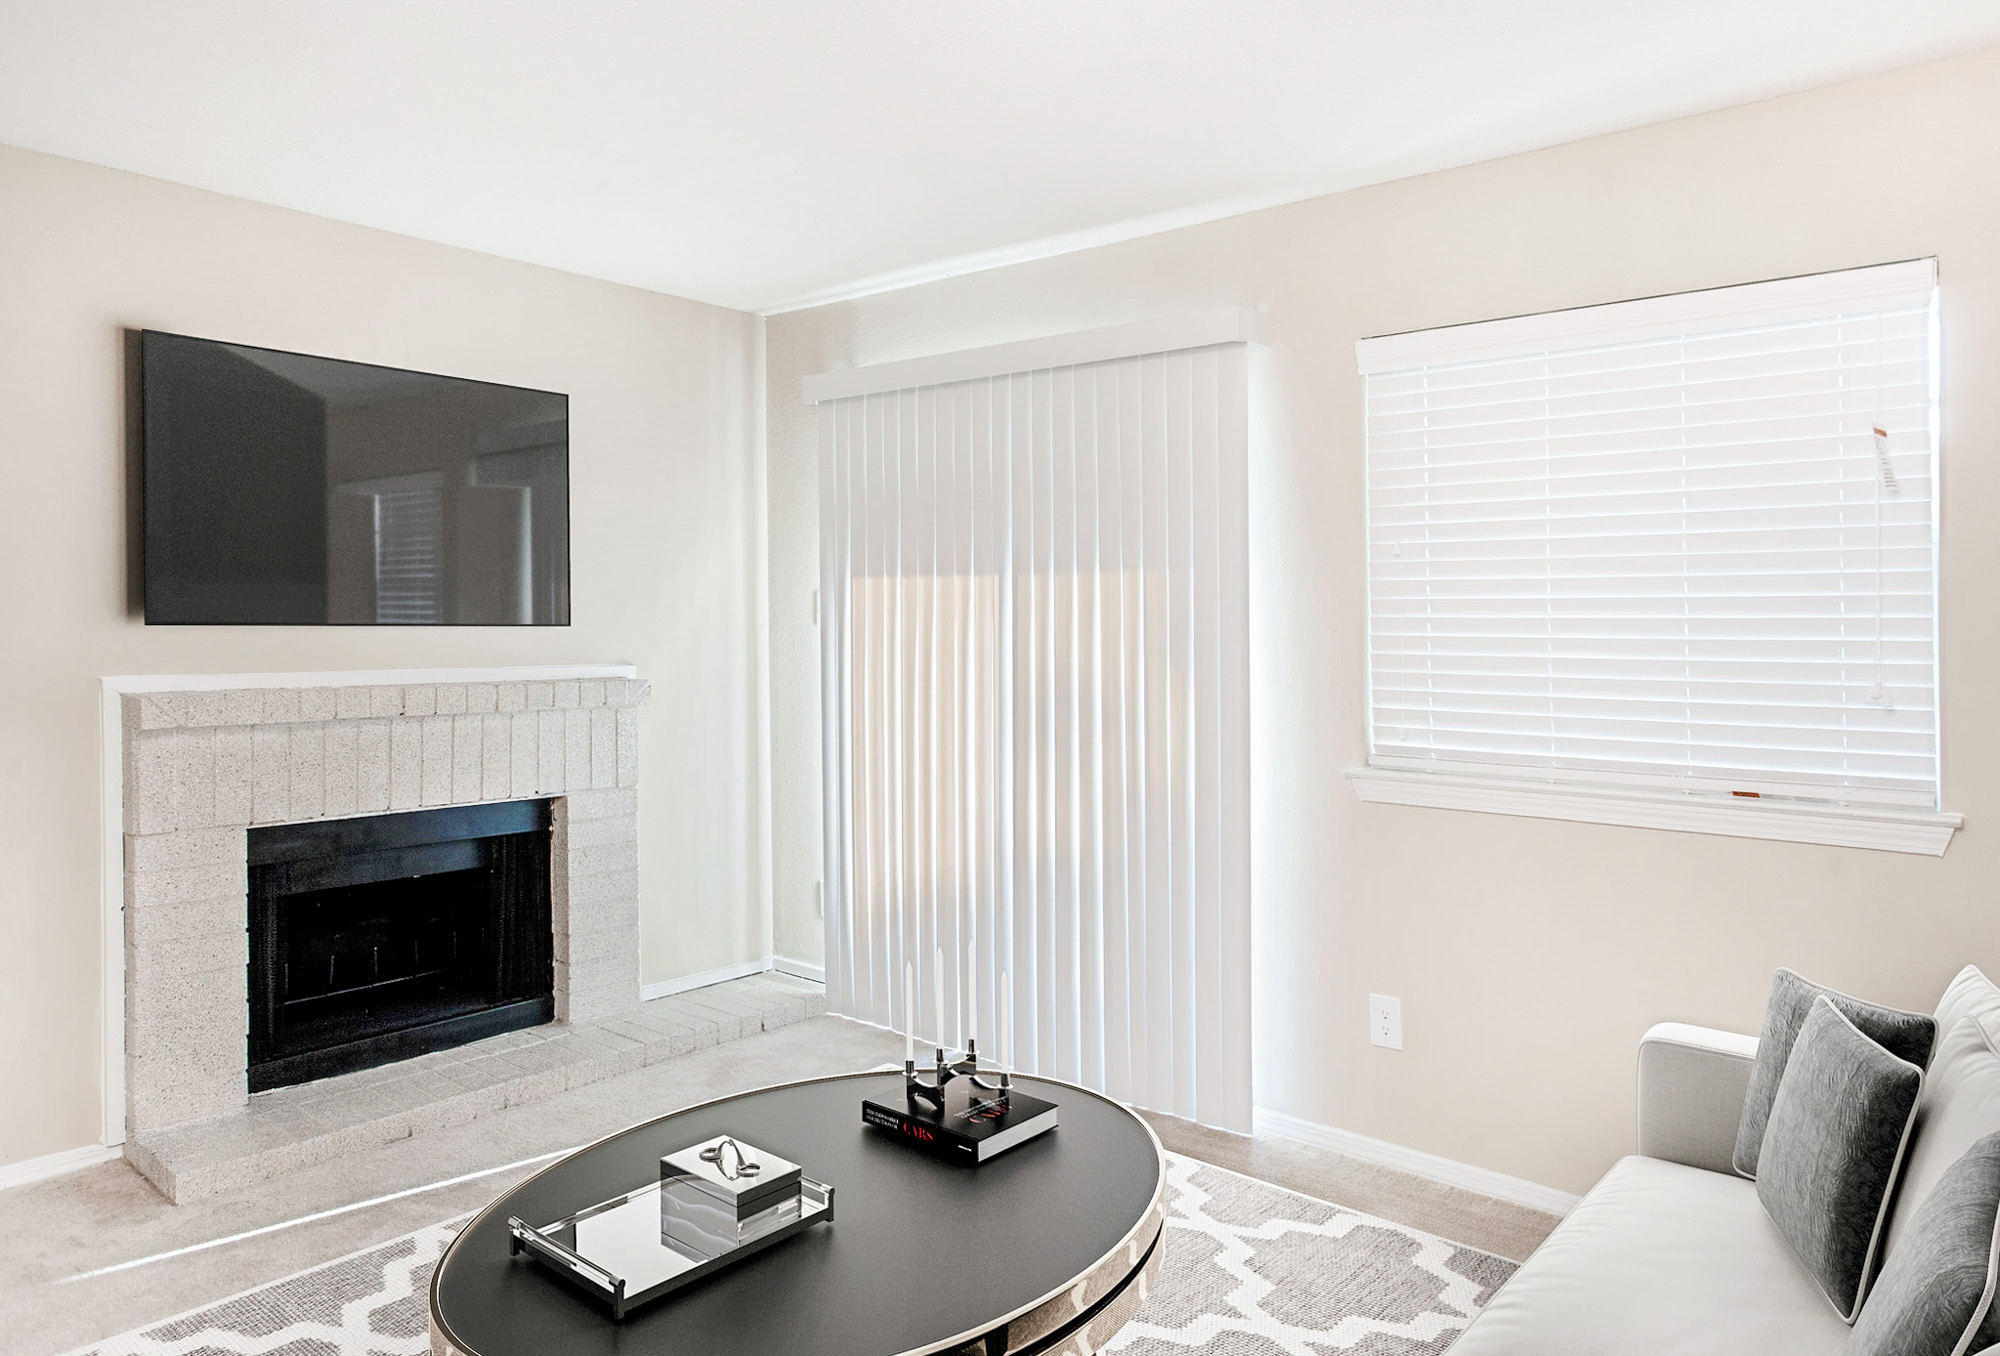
<point x="287" y="490"/>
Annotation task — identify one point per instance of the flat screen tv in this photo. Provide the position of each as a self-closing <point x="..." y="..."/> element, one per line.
<point x="287" y="490"/>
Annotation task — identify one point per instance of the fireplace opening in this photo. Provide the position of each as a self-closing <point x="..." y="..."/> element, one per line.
<point x="379" y="939"/>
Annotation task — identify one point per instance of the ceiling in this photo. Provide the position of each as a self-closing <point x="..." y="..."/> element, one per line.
<point x="768" y="155"/>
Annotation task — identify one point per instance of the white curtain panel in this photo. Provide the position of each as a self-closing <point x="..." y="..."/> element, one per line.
<point x="1035" y="643"/>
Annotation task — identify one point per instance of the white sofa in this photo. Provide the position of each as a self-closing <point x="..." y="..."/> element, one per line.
<point x="1671" y="1254"/>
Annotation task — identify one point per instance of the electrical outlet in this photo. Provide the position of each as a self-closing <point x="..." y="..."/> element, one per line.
<point x="1385" y="1021"/>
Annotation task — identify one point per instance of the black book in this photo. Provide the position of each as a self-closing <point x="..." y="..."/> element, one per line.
<point x="975" y="1125"/>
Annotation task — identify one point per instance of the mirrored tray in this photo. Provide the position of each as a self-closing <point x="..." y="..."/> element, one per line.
<point x="616" y="1250"/>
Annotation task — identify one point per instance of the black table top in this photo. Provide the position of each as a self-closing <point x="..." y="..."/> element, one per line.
<point x="919" y="1250"/>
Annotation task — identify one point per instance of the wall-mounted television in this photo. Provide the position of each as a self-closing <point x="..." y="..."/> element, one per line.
<point x="288" y="490"/>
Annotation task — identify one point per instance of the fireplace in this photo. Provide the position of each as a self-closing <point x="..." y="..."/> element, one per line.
<point x="386" y="937"/>
<point x="204" y="770"/>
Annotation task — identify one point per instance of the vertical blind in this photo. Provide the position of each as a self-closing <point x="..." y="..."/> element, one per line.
<point x="1687" y="542"/>
<point x="1035" y="649"/>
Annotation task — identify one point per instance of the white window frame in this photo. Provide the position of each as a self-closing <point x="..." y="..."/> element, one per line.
<point x="1535" y="794"/>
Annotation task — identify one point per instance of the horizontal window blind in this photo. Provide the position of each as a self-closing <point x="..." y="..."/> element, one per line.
<point x="409" y="547"/>
<point x="1662" y="544"/>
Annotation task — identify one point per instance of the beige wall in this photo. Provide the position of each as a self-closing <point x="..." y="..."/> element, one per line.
<point x="666" y="405"/>
<point x="1529" y="954"/>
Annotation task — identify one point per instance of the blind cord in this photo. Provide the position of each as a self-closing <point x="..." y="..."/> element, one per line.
<point x="1885" y="483"/>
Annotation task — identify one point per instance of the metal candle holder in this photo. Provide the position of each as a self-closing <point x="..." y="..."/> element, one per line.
<point x="933" y="1091"/>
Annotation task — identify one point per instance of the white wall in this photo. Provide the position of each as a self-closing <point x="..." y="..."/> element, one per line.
<point x="1529" y="954"/>
<point x="666" y="407"/>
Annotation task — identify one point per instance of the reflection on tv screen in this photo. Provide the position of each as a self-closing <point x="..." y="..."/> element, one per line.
<point x="283" y="489"/>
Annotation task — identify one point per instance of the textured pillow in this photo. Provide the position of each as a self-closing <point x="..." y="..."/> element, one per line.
<point x="1836" y="1136"/>
<point x="1906" y="1035"/>
<point x="1935" y="1296"/>
<point x="1960" y="1106"/>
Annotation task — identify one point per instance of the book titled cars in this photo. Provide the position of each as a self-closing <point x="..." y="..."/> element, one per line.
<point x="974" y="1125"/>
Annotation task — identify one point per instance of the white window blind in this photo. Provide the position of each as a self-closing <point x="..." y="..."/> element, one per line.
<point x="1036" y="687"/>
<point x="1660" y="544"/>
<point x="409" y="549"/>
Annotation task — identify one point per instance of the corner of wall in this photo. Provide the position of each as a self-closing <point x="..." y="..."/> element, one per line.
<point x="760" y="553"/>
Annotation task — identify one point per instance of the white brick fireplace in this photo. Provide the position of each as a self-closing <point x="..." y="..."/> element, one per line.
<point x="199" y="766"/>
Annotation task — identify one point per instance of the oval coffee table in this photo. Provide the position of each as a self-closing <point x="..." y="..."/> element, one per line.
<point x="1048" y="1248"/>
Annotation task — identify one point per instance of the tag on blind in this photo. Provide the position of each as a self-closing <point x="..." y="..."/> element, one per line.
<point x="1882" y="460"/>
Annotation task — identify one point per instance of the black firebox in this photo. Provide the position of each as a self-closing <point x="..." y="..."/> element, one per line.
<point x="379" y="939"/>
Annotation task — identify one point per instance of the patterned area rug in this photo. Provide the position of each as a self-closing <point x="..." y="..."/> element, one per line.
<point x="1250" y="1269"/>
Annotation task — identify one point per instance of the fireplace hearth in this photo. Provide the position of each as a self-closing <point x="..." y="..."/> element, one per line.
<point x="381" y="938"/>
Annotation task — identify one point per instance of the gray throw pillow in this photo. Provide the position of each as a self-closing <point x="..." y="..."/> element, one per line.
<point x="1906" y="1035"/>
<point x="1935" y="1295"/>
<point x="1838" y="1126"/>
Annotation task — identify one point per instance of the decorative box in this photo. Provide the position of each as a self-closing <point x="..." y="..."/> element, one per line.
<point x="723" y="1193"/>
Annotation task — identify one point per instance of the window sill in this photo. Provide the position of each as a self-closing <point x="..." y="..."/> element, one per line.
<point x="1927" y="833"/>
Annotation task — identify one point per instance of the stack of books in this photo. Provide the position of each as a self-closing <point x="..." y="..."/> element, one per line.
<point x="974" y="1125"/>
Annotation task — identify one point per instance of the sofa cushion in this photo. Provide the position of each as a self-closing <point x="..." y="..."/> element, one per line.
<point x="1960" y="1106"/>
<point x="1836" y="1137"/>
<point x="1906" y="1035"/>
<point x="1935" y="1297"/>
<point x="1660" y="1259"/>
<point x="1972" y="995"/>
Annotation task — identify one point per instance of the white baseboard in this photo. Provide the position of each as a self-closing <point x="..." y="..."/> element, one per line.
<point x="741" y="970"/>
<point x="55" y="1165"/>
<point x="1450" y="1171"/>
<point x="722" y="974"/>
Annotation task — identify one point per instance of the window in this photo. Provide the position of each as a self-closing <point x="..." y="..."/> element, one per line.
<point x="1681" y="548"/>
<point x="408" y="515"/>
